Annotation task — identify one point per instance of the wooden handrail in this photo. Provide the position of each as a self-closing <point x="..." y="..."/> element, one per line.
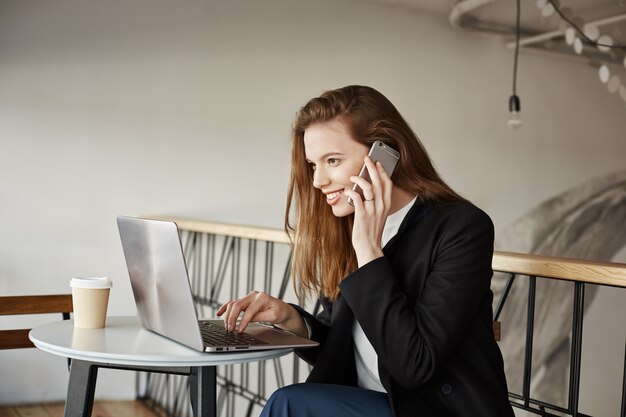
<point x="226" y="229"/>
<point x="603" y="273"/>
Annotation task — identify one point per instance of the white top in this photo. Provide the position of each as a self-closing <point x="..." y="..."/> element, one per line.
<point x="124" y="341"/>
<point x="364" y="353"/>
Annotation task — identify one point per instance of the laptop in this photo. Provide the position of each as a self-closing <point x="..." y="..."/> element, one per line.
<point x="165" y="304"/>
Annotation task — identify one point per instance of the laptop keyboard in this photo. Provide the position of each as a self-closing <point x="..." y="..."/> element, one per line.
<point x="214" y="335"/>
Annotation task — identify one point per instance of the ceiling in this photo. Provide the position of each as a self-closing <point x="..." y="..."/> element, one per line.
<point x="540" y="32"/>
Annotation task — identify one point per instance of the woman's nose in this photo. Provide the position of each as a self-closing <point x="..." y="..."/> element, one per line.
<point x="320" y="178"/>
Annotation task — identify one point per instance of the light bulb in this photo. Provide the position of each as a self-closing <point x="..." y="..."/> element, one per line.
<point x="515" y="121"/>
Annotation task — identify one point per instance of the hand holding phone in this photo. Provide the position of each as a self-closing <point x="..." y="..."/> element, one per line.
<point x="382" y="153"/>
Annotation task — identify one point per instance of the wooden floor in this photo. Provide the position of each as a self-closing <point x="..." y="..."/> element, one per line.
<point x="100" y="409"/>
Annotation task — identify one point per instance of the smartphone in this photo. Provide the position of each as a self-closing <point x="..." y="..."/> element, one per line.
<point x="387" y="156"/>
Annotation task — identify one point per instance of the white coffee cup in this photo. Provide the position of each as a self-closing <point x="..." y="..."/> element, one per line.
<point x="90" y="297"/>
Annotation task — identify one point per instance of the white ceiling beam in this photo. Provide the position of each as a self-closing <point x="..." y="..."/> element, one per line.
<point x="529" y="40"/>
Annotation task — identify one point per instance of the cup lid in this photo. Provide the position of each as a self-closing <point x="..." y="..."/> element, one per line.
<point x="91" y="282"/>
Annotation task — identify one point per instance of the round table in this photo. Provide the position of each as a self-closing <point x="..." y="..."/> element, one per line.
<point x="125" y="344"/>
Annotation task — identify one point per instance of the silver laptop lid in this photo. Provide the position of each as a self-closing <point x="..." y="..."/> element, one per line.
<point x="158" y="276"/>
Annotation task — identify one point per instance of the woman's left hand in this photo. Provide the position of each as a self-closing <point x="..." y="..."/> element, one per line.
<point x="370" y="212"/>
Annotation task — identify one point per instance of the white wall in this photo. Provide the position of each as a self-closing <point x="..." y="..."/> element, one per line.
<point x="184" y="108"/>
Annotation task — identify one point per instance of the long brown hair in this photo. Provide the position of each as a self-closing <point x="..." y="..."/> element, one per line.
<point x="322" y="246"/>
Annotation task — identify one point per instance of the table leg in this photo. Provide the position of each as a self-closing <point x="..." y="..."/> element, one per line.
<point x="203" y="391"/>
<point x="81" y="389"/>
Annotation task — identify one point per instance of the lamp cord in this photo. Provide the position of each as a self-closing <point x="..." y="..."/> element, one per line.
<point x="517" y="36"/>
<point x="580" y="32"/>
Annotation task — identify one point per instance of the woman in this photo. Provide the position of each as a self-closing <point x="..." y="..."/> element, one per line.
<point x="403" y="275"/>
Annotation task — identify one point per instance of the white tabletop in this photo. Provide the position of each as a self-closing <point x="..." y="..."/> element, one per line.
<point x="125" y="342"/>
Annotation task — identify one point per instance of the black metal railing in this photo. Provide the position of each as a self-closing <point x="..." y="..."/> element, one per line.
<point x="566" y="278"/>
<point x="223" y="267"/>
<point x="226" y="262"/>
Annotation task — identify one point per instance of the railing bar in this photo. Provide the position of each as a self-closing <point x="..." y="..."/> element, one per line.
<point x="245" y="368"/>
<point x="204" y="278"/>
<point x="184" y="238"/>
<point x="163" y="390"/>
<point x="221" y="398"/>
<point x="251" y="265"/>
<point x="188" y="253"/>
<point x="213" y="293"/>
<point x="234" y="270"/>
<point x="137" y="385"/>
<point x="231" y="401"/>
<point x="218" y="277"/>
<point x="250" y="408"/>
<point x="153" y="383"/>
<point x="190" y="262"/>
<point x="192" y="265"/>
<point x="166" y="391"/>
<point x="232" y="295"/>
<point x="269" y="264"/>
<point x="161" y="386"/>
<point x="261" y="377"/>
<point x="576" y="349"/>
<point x="278" y="370"/>
<point x="296" y="369"/>
<point x="237" y="368"/>
<point x="229" y="389"/>
<point x="172" y="393"/>
<point x="204" y="254"/>
<point x="245" y="380"/>
<point x="173" y="390"/>
<point x="197" y="263"/>
<point x="226" y="389"/>
<point x="184" y="405"/>
<point x="178" y="396"/>
<point x="211" y="270"/>
<point x="252" y="255"/>
<point x="188" y="409"/>
<point x="507" y="289"/>
<point x="227" y="251"/>
<point x="530" y="322"/>
<point x="285" y="281"/>
<point x="147" y="384"/>
<point x="539" y="404"/>
<point x="541" y="412"/>
<point x="189" y="246"/>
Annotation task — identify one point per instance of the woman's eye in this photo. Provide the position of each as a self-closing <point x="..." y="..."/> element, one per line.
<point x="333" y="161"/>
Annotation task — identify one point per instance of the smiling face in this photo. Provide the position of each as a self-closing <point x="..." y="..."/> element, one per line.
<point x="334" y="157"/>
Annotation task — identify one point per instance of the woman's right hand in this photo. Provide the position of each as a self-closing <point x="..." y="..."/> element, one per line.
<point x="260" y="306"/>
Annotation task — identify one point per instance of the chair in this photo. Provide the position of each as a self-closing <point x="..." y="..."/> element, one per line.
<point x="30" y="304"/>
<point x="497" y="330"/>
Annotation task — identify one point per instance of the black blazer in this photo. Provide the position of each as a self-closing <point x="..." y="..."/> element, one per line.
<point x="426" y="307"/>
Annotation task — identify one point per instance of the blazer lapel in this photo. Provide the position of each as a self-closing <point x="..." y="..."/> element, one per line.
<point x="342" y="313"/>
